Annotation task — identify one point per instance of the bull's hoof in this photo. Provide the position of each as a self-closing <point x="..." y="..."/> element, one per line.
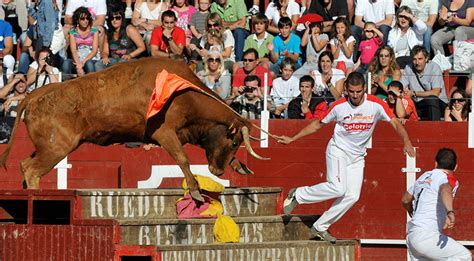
<point x="197" y="196"/>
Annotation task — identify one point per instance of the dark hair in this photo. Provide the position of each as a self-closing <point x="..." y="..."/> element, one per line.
<point x="307" y="78"/>
<point x="80" y="12"/>
<point x="446" y="159"/>
<point x="168" y="13"/>
<point x="115" y="9"/>
<point x="251" y="50"/>
<point x="284" y="21"/>
<point x="49" y="57"/>
<point x="355" y="78"/>
<point x="320" y="58"/>
<point x="419" y="49"/>
<point x="346" y="22"/>
<point x="317" y="24"/>
<point x="467" y="105"/>
<point x="396" y="84"/>
<point x="287" y="61"/>
<point x="251" y="78"/>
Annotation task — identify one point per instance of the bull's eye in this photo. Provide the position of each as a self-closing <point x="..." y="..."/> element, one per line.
<point x="235" y="144"/>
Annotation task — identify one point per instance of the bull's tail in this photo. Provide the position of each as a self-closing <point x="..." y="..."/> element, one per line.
<point x="19" y="113"/>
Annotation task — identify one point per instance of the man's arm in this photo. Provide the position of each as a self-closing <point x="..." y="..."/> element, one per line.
<point x="407" y="200"/>
<point x="446" y="194"/>
<point x="407" y="147"/>
<point x="8" y="42"/>
<point x="311" y="128"/>
<point x="242" y="22"/>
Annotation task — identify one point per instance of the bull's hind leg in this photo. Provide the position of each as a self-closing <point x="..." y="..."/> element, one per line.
<point x="36" y="166"/>
<point x="170" y="142"/>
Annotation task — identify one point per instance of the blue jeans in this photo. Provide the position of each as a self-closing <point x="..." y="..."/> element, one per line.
<point x="427" y="38"/>
<point x="68" y="68"/>
<point x="240" y="34"/>
<point x="24" y="63"/>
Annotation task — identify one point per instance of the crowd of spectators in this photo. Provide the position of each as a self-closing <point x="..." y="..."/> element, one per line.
<point x="302" y="50"/>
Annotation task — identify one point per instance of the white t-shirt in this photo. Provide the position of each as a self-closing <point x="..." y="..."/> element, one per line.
<point x="355" y="124"/>
<point x="95" y="7"/>
<point x="273" y="14"/>
<point x="319" y="86"/>
<point x="374" y="12"/>
<point x="428" y="209"/>
<point x="342" y="57"/>
<point x="422" y="9"/>
<point x="284" y="91"/>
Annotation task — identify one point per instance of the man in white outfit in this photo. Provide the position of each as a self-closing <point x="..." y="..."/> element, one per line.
<point x="430" y="204"/>
<point x="356" y="116"/>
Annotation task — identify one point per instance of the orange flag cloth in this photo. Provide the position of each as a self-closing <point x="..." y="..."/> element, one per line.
<point x="165" y="85"/>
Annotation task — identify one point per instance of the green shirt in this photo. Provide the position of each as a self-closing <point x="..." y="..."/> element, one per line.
<point x="252" y="42"/>
<point x="234" y="10"/>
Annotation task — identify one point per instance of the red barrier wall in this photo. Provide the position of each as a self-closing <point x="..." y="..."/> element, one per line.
<point x="378" y="214"/>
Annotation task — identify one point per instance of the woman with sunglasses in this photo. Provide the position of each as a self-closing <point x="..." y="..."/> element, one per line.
<point x="459" y="107"/>
<point x="384" y="69"/>
<point x="407" y="32"/>
<point x="215" y="76"/>
<point x="83" y="43"/>
<point x="122" y="42"/>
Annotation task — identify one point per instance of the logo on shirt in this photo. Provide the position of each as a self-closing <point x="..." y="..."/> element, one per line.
<point x="357" y="126"/>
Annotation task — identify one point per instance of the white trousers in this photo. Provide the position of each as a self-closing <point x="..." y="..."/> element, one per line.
<point x="344" y="178"/>
<point x="431" y="245"/>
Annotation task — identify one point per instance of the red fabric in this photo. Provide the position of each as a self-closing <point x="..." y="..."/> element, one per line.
<point x="319" y="111"/>
<point x="178" y="35"/>
<point x="409" y="108"/>
<point x="165" y="85"/>
<point x="312" y="18"/>
<point x="188" y="208"/>
<point x="384" y="105"/>
<point x="260" y="71"/>
<point x="341" y="66"/>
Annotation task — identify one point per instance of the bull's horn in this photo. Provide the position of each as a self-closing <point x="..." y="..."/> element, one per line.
<point x="245" y="134"/>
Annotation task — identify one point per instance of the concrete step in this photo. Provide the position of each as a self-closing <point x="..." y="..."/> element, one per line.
<point x="161" y="232"/>
<point x="161" y="203"/>
<point x="342" y="250"/>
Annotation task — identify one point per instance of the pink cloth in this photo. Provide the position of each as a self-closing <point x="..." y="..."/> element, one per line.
<point x="368" y="48"/>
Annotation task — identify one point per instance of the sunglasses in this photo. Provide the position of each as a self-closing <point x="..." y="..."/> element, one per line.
<point x="384" y="55"/>
<point x="248" y="60"/>
<point x="392" y="93"/>
<point x="212" y="25"/>
<point x="369" y="31"/>
<point x="84" y="18"/>
<point x="404" y="17"/>
<point x="216" y="60"/>
<point x="117" y="17"/>
<point x="457" y="100"/>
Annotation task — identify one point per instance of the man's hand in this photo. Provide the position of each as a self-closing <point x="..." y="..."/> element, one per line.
<point x="284" y="139"/>
<point x="450" y="220"/>
<point x="408" y="149"/>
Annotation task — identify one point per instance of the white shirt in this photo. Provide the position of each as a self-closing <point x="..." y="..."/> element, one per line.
<point x="41" y="77"/>
<point x="374" y="12"/>
<point x="342" y="57"/>
<point x="319" y="86"/>
<point x="273" y="14"/>
<point x="355" y="124"/>
<point x="284" y="91"/>
<point x="96" y="7"/>
<point x="428" y="209"/>
<point x="422" y="10"/>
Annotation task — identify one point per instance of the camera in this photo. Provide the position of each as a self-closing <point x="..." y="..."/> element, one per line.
<point x="49" y="59"/>
<point x="248" y="89"/>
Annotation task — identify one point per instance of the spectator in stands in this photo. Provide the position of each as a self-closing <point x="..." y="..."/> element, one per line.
<point x="328" y="81"/>
<point x="184" y="12"/>
<point x="285" y="45"/>
<point x="18" y="84"/>
<point x="402" y="105"/>
<point x="423" y="80"/>
<point x="250" y="103"/>
<point x="197" y="25"/>
<point x="459" y="107"/>
<point x="83" y="43"/>
<point x="342" y="45"/>
<point x="251" y="67"/>
<point x="285" y="89"/>
<point x="407" y="33"/>
<point x="426" y="11"/>
<point x="330" y="10"/>
<point x="458" y="20"/>
<point x="42" y="71"/>
<point x="260" y="39"/>
<point x="384" y="69"/>
<point x="368" y="47"/>
<point x="147" y="16"/>
<point x="17" y="8"/>
<point x="98" y="10"/>
<point x="6" y="47"/>
<point x="10" y="85"/>
<point x="123" y="42"/>
<point x="379" y="12"/>
<point x="316" y="43"/>
<point x="224" y="36"/>
<point x="234" y="16"/>
<point x="305" y="105"/>
<point x="168" y="40"/>
<point x="282" y="8"/>
<point x="215" y="76"/>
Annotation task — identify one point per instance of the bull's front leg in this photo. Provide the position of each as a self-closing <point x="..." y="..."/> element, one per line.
<point x="170" y="142"/>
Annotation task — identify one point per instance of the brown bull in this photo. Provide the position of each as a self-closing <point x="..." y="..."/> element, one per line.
<point x="110" y="107"/>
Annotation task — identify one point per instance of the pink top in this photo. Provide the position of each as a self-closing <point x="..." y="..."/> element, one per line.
<point x="368" y="48"/>
<point x="183" y="19"/>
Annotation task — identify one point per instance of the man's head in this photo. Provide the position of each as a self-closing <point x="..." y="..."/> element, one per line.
<point x="419" y="57"/>
<point x="260" y="23"/>
<point x="168" y="19"/>
<point x="20" y="86"/>
<point x="252" y="83"/>
<point x="287" y="67"/>
<point x="284" y="26"/>
<point x="306" y="85"/>
<point x="446" y="159"/>
<point x="355" y="88"/>
<point x="395" y="89"/>
<point x="250" y="60"/>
